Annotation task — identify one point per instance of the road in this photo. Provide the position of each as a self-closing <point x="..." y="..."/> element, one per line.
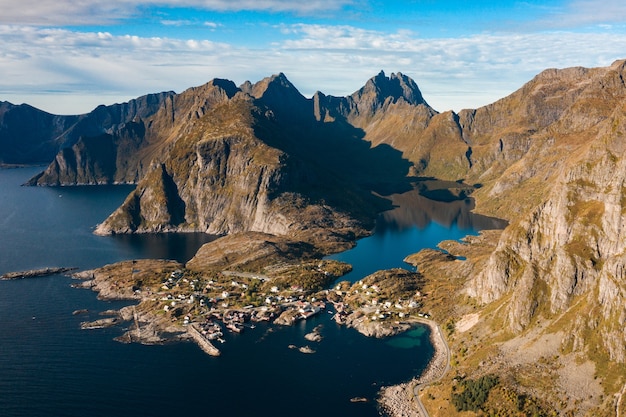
<point x="441" y="348"/>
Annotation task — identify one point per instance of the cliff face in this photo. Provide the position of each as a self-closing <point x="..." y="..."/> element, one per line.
<point x="116" y="144"/>
<point x="231" y="173"/>
<point x="215" y="179"/>
<point x="568" y="253"/>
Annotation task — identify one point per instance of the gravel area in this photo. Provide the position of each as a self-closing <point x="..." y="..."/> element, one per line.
<point x="402" y="400"/>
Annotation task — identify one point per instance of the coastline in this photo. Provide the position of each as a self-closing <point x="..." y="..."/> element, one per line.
<point x="403" y="400"/>
<point x="34" y="273"/>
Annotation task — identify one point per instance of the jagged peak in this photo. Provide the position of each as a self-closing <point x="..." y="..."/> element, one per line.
<point x="228" y="86"/>
<point x="397" y="86"/>
<point x="273" y="82"/>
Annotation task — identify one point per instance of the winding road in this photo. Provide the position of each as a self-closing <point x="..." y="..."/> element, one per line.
<point x="441" y="349"/>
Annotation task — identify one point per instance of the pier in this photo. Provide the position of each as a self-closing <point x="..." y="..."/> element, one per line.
<point x="202" y="341"/>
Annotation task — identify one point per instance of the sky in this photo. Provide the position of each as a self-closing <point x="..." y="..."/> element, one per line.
<point x="68" y="56"/>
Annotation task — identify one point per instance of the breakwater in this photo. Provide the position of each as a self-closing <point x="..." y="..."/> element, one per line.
<point x="202" y="341"/>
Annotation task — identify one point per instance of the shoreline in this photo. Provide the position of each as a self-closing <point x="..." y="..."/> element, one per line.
<point x="34" y="273"/>
<point x="402" y="400"/>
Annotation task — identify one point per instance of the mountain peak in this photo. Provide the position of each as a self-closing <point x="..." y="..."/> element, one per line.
<point x="273" y="82"/>
<point x="278" y="93"/>
<point x="380" y="88"/>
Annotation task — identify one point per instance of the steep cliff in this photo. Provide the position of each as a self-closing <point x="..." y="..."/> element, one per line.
<point x="29" y="135"/>
<point x="231" y="173"/>
<point x="551" y="289"/>
<point x="116" y="144"/>
<point x="568" y="254"/>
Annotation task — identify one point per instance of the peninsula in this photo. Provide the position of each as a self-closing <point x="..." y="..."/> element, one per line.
<point x="33" y="273"/>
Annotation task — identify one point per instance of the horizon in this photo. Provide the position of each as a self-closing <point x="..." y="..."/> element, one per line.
<point x="67" y="58"/>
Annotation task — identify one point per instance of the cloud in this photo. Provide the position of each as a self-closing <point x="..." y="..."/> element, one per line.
<point x="66" y="70"/>
<point x="86" y="12"/>
<point x="579" y="15"/>
<point x="594" y="12"/>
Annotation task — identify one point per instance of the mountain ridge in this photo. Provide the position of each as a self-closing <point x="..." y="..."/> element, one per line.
<point x="550" y="158"/>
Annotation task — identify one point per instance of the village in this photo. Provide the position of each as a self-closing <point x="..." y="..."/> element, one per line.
<point x="204" y="305"/>
<point x="230" y="301"/>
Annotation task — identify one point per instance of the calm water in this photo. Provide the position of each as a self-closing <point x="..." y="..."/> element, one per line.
<point x="49" y="367"/>
<point x="415" y="224"/>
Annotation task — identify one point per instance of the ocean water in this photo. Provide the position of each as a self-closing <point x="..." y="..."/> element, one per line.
<point x="49" y="367"/>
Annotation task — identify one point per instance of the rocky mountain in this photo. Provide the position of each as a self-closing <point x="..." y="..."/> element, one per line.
<point x="223" y="159"/>
<point x="260" y="161"/>
<point x="573" y="233"/>
<point x="550" y="289"/>
<point x="117" y="143"/>
<point x="549" y="158"/>
<point x="29" y="135"/>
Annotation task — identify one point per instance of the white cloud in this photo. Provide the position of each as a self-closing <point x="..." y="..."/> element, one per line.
<point x="593" y="12"/>
<point x="84" y="12"/>
<point x="62" y="70"/>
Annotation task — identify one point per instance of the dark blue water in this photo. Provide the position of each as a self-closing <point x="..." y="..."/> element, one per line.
<point x="418" y="223"/>
<point x="49" y="367"/>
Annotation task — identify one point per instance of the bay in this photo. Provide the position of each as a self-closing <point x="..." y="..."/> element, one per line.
<point x="49" y="367"/>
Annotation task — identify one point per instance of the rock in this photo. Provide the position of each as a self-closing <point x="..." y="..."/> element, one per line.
<point x="287" y="317"/>
<point x="34" y="273"/>
<point x="306" y="349"/>
<point x="80" y="312"/>
<point x="315" y="335"/>
<point x="358" y="400"/>
<point x="100" y="324"/>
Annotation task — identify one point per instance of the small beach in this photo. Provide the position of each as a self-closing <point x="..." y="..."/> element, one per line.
<point x="402" y="400"/>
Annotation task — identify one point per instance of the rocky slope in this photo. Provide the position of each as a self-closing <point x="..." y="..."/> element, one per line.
<point x="118" y="143"/>
<point x="574" y="234"/>
<point x="29" y="135"/>
<point x="549" y="158"/>
<point x="552" y="285"/>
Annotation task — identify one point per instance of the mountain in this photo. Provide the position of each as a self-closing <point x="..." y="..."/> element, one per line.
<point x="117" y="143"/>
<point x="224" y="159"/>
<point x="548" y="292"/>
<point x="260" y="161"/>
<point x="539" y="304"/>
<point x="29" y="135"/>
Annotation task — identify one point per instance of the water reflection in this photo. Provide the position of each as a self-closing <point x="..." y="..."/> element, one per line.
<point x="413" y="209"/>
<point x="180" y="247"/>
<point x="415" y="224"/>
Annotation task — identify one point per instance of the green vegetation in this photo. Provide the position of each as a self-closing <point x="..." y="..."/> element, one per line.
<point x="310" y="276"/>
<point x="474" y="394"/>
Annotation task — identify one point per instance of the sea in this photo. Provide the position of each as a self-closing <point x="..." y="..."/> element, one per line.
<point x="50" y="367"/>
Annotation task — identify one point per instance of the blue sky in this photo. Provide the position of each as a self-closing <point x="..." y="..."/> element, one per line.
<point x="67" y="57"/>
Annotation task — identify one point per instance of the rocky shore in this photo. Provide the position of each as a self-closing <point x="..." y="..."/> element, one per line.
<point x="33" y="273"/>
<point x="402" y="400"/>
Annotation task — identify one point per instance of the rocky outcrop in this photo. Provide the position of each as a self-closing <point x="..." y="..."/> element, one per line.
<point x="221" y="177"/>
<point x="567" y="253"/>
<point x="117" y="144"/>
